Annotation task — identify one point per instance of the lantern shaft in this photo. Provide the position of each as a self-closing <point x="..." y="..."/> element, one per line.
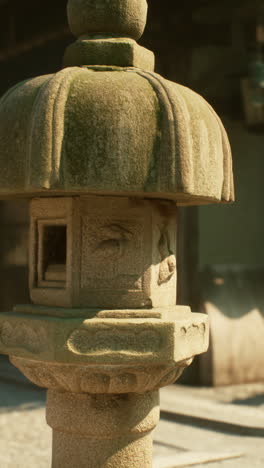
<point x="102" y="431"/>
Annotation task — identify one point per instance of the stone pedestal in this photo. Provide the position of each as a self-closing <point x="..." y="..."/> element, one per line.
<point x="103" y="367"/>
<point x="103" y="333"/>
<point x="102" y="431"/>
<point x="104" y="404"/>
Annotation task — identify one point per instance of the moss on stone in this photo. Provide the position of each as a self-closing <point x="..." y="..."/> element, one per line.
<point x="112" y="130"/>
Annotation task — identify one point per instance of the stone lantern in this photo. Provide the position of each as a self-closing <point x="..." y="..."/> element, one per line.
<point x="106" y="149"/>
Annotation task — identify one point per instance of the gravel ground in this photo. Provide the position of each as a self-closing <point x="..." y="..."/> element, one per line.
<point x="25" y="439"/>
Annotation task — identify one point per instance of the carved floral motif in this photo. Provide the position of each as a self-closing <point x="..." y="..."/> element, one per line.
<point x="113" y="340"/>
<point x="34" y="340"/>
<point x="167" y="257"/>
<point x="101" y="379"/>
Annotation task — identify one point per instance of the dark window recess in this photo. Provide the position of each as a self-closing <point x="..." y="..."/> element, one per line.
<point x="54" y="253"/>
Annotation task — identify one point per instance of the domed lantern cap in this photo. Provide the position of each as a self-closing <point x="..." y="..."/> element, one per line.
<point x="107" y="124"/>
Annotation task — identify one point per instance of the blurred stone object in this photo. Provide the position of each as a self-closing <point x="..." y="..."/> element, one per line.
<point x="106" y="149"/>
<point x="253" y="108"/>
<point x="253" y="86"/>
<point x="233" y="300"/>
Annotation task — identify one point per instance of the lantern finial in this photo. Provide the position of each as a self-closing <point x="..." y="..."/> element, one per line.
<point x="106" y="34"/>
<point x="115" y="18"/>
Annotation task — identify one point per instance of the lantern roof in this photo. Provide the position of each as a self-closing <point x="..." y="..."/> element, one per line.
<point x="107" y="124"/>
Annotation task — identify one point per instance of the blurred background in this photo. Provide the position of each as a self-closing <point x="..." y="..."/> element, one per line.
<point x="215" y="47"/>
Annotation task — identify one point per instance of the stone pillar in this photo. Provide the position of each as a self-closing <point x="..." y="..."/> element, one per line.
<point x="106" y="149"/>
<point x="102" y="430"/>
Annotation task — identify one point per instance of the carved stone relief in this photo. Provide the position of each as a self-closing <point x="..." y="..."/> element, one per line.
<point x="103" y="379"/>
<point x="167" y="257"/>
<point x="111" y="253"/>
<point x="34" y="340"/>
<point x="112" y="340"/>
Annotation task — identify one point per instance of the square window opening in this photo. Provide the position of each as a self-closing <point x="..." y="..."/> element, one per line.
<point x="54" y="254"/>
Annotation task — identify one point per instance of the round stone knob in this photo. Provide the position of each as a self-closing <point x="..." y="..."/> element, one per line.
<point x="121" y="18"/>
